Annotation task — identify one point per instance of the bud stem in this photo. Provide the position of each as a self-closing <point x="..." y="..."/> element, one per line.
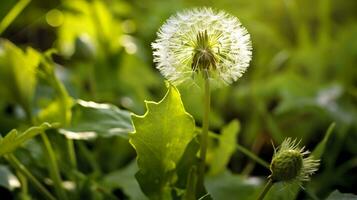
<point x="204" y="135"/>
<point x="267" y="187"/>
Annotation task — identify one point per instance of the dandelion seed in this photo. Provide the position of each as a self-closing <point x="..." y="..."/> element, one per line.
<point x="205" y="41"/>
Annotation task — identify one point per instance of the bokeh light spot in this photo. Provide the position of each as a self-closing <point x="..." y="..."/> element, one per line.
<point x="54" y="18"/>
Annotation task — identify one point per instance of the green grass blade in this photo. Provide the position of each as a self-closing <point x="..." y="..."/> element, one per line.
<point x="14" y="12"/>
<point x="319" y="150"/>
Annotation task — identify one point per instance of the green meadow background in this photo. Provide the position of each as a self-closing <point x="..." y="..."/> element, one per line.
<point x="302" y="78"/>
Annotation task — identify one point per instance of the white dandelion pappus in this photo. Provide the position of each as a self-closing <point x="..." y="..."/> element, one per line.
<point x="227" y="46"/>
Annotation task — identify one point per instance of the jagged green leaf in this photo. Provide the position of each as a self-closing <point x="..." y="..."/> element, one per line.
<point x="160" y="139"/>
<point x="91" y="120"/>
<point x="14" y="139"/>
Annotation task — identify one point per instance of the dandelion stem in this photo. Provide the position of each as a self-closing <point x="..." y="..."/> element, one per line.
<point x="204" y="135"/>
<point x="267" y="187"/>
<point x="23" y="170"/>
<point x="53" y="167"/>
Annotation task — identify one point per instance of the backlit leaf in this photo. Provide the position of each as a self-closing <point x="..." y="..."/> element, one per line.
<point x="160" y="139"/>
<point x="18" y="73"/>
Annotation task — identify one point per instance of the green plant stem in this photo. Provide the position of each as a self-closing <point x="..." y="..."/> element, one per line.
<point x="13" y="13"/>
<point x="53" y="167"/>
<point x="23" y="170"/>
<point x="72" y="153"/>
<point x="252" y="156"/>
<point x="24" y="185"/>
<point x="247" y="152"/>
<point x="204" y="135"/>
<point x="66" y="106"/>
<point x="311" y="194"/>
<point x="267" y="187"/>
<point x="257" y="145"/>
<point x="191" y="185"/>
<point x="89" y="157"/>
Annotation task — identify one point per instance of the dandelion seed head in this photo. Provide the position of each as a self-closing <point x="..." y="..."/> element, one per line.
<point x="202" y="39"/>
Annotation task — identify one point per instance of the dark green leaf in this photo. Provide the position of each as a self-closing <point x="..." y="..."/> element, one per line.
<point x="91" y="120"/>
<point x="189" y="159"/>
<point x="125" y="180"/>
<point x="336" y="195"/>
<point x="227" y="186"/>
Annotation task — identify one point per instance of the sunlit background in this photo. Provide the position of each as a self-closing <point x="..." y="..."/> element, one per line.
<point x="303" y="75"/>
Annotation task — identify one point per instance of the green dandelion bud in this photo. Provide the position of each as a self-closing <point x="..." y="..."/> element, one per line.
<point x="291" y="163"/>
<point x="205" y="41"/>
<point x="286" y="166"/>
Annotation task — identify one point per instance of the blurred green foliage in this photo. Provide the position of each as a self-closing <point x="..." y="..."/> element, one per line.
<point x="303" y="77"/>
